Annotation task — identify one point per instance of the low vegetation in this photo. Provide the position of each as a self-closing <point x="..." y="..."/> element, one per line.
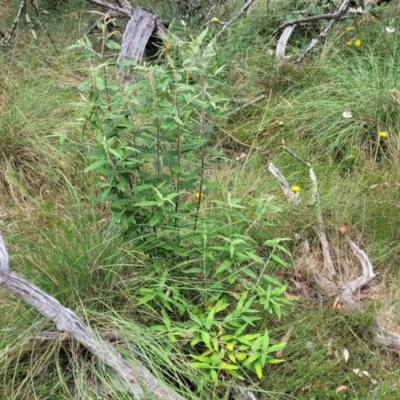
<point x="147" y="207"/>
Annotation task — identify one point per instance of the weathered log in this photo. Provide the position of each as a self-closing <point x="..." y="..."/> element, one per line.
<point x="136" y="378"/>
<point x="141" y="27"/>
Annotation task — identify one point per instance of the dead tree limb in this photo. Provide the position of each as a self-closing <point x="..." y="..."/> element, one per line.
<point x="235" y="17"/>
<point x="245" y="105"/>
<point x="8" y="34"/>
<point x="343" y="8"/>
<point x="346" y="291"/>
<point x="288" y="27"/>
<point x="136" y="378"/>
<point x="328" y="262"/>
<point x="282" y="42"/>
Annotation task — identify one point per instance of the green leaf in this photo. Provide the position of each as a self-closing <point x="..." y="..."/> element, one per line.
<point x="258" y="368"/>
<point x="113" y="45"/>
<point x="276" y="347"/>
<point x="265" y="343"/>
<point x="155" y="219"/>
<point x="194" y="270"/>
<point x="206" y="339"/>
<point x="255" y="356"/>
<point x="279" y="260"/>
<point x="226" y="366"/>
<point x="274" y="361"/>
<point x="223" y="267"/>
<point x="249" y="272"/>
<point x="195" y="364"/>
<point x="96" y="165"/>
<point x="99" y="83"/>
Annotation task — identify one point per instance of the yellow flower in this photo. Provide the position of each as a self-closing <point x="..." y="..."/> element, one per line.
<point x="357" y="43"/>
<point x="215" y="19"/>
<point x="383" y="134"/>
<point x="198" y="194"/>
<point x="350" y="43"/>
<point x="349" y="28"/>
<point x="295" y="188"/>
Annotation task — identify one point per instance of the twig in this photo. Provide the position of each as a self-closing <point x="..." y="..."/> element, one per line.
<point x="247" y="104"/>
<point x="137" y="379"/>
<point x="335" y="18"/>
<point x="123" y="10"/>
<point x="8" y="34"/>
<point x="302" y="21"/>
<point x="235" y="17"/>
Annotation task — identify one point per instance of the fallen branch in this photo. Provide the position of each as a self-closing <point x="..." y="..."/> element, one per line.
<point x="282" y="42"/>
<point x="8" y="34"/>
<point x="335" y="18"/>
<point x="328" y="262"/>
<point x="346" y="292"/>
<point x="389" y="340"/>
<point x="291" y="196"/>
<point x="136" y="378"/>
<point x="235" y="17"/>
<point x="247" y="104"/>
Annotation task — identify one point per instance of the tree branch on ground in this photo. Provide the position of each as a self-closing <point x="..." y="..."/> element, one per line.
<point x="137" y="379"/>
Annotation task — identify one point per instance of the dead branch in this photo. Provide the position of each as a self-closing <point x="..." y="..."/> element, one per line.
<point x="300" y="21"/>
<point x="126" y="10"/>
<point x="247" y="104"/>
<point x="137" y="379"/>
<point x="328" y="262"/>
<point x="287" y="191"/>
<point x="235" y="17"/>
<point x="389" y="340"/>
<point x="343" y="8"/>
<point x="346" y="292"/>
<point x="8" y="34"/>
<point x="282" y="42"/>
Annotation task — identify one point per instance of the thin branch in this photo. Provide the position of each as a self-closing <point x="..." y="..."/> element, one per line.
<point x="335" y="18"/>
<point x="247" y="104"/>
<point x="8" y="34"/>
<point x="122" y="10"/>
<point x="302" y="21"/>
<point x="235" y="17"/>
<point x="328" y="262"/>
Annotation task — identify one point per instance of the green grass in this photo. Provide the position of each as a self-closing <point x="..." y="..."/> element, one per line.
<point x="59" y="237"/>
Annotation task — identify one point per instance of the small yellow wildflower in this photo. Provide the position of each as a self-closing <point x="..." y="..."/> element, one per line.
<point x="350" y="43"/>
<point x="215" y="19"/>
<point x="295" y="188"/>
<point x="383" y="134"/>
<point x="349" y="28"/>
<point x="198" y="195"/>
<point x="357" y="43"/>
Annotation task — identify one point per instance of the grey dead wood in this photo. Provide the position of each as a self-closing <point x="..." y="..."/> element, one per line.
<point x="383" y="337"/>
<point x="136" y="378"/>
<point x="140" y="28"/>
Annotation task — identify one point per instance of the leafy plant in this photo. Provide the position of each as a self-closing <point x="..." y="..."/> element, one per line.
<point x="150" y="150"/>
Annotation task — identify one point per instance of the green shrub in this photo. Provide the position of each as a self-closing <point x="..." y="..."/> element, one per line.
<point x="149" y="143"/>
